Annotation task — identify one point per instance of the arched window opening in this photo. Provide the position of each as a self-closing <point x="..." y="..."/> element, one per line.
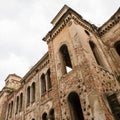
<point x="33" y="92"/>
<point x="49" y="79"/>
<point x="8" y="112"/>
<point x="44" y="116"/>
<point x="87" y="32"/>
<point x="66" y="59"/>
<point x="95" y="52"/>
<point x="51" y="114"/>
<point x="17" y="104"/>
<point x="117" y="47"/>
<point x="21" y="101"/>
<point x="11" y="109"/>
<point x="28" y="96"/>
<point x="43" y="84"/>
<point x="75" y="107"/>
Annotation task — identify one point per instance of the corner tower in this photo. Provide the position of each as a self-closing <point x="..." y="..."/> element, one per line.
<point x="79" y="68"/>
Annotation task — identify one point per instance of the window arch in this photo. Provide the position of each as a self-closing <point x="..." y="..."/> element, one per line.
<point x="33" y="91"/>
<point x="75" y="107"/>
<point x="87" y="32"/>
<point x="43" y="84"/>
<point x="17" y="104"/>
<point x="66" y="61"/>
<point x="117" y="47"/>
<point x="28" y="95"/>
<point x="11" y="109"/>
<point x="51" y="114"/>
<point x="21" y="101"/>
<point x="95" y="52"/>
<point x="8" y="111"/>
<point x="44" y="116"/>
<point x="49" y="79"/>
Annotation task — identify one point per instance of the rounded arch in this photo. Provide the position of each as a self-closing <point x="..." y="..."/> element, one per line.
<point x="52" y="114"/>
<point x="87" y="32"/>
<point x="75" y="106"/>
<point x="117" y="47"/>
<point x="49" y="83"/>
<point x="17" y="104"/>
<point x="28" y="95"/>
<point x="21" y="101"/>
<point x="65" y="57"/>
<point x="33" y="91"/>
<point x="43" y="84"/>
<point x="44" y="116"/>
<point x="95" y="52"/>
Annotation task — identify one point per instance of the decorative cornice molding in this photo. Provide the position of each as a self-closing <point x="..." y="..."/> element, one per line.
<point x="115" y="19"/>
<point x="64" y="20"/>
<point x="37" y="67"/>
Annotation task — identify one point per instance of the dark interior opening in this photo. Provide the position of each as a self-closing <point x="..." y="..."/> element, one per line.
<point x="75" y="106"/>
<point x="117" y="47"/>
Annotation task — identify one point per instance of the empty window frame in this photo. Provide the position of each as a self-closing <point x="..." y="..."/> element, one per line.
<point x="75" y="107"/>
<point x="21" y="102"/>
<point x="43" y="84"/>
<point x="117" y="47"/>
<point x="17" y="104"/>
<point x="33" y="92"/>
<point x="114" y="105"/>
<point x="87" y="32"/>
<point x="52" y="115"/>
<point x="11" y="109"/>
<point x="66" y="61"/>
<point x="95" y="53"/>
<point x="49" y="85"/>
<point x="8" y="111"/>
<point x="44" y="116"/>
<point x="28" y="96"/>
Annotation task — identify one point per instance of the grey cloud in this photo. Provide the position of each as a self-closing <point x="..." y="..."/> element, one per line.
<point x="23" y="24"/>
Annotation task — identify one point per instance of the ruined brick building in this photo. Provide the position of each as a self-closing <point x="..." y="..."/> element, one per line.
<point x="77" y="79"/>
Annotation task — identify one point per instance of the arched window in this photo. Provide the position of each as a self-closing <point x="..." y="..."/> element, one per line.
<point x="43" y="84"/>
<point x="87" y="32"/>
<point x="117" y="47"/>
<point x="44" y="116"/>
<point x="8" y="112"/>
<point x="75" y="107"/>
<point x="95" y="52"/>
<point x="33" y="91"/>
<point x="49" y="79"/>
<point x="28" y="96"/>
<point x="21" y="101"/>
<point x="51" y="114"/>
<point x="17" y="104"/>
<point x="66" y="61"/>
<point x="11" y="109"/>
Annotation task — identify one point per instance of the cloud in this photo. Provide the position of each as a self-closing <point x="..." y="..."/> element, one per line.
<point x="23" y="24"/>
<point x="13" y="64"/>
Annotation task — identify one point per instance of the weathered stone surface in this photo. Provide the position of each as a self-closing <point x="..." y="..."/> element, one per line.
<point x="74" y="79"/>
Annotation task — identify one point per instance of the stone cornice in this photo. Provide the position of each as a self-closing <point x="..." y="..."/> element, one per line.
<point x="115" y="19"/>
<point x="38" y="66"/>
<point x="69" y="15"/>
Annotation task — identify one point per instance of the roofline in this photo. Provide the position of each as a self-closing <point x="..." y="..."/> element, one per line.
<point x="35" y="66"/>
<point x="62" y="10"/>
<point x="110" y="19"/>
<point x="69" y="10"/>
<point x="12" y="75"/>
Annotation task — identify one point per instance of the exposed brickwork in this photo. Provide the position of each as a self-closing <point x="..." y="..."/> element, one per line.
<point x="81" y="92"/>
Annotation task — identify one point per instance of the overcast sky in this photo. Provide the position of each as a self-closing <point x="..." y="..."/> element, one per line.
<point x="23" y="24"/>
